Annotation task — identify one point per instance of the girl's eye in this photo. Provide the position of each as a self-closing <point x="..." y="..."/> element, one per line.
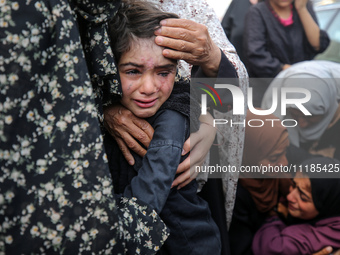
<point x="164" y="74"/>
<point x="293" y="184"/>
<point x="303" y="198"/>
<point x="132" y="72"/>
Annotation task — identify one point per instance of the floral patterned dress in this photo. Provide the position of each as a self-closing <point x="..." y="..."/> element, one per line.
<point x="56" y="193"/>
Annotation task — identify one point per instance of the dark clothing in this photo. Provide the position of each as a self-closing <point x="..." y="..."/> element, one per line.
<point x="296" y="155"/>
<point x="161" y="161"/>
<point x="245" y="222"/>
<point x="233" y="24"/>
<point x="212" y="192"/>
<point x="269" y="45"/>
<point x="330" y="138"/>
<point x="192" y="229"/>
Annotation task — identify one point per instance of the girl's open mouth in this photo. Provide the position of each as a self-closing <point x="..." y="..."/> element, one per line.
<point x="145" y="103"/>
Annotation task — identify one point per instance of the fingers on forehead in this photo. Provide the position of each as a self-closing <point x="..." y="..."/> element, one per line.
<point x="183" y="23"/>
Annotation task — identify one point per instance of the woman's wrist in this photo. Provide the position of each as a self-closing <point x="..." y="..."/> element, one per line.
<point x="301" y="9"/>
<point x="210" y="68"/>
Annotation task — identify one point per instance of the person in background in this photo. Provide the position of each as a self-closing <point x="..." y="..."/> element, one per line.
<point x="259" y="198"/>
<point x="258" y="195"/>
<point x="313" y="219"/>
<point x="278" y="34"/>
<point x="316" y="133"/>
<point x="233" y="23"/>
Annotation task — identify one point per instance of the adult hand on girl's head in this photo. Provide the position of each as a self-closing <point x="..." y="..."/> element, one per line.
<point x="198" y="144"/>
<point x="191" y="42"/>
<point x="125" y="127"/>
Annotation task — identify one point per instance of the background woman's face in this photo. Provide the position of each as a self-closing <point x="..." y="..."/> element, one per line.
<point x="277" y="156"/>
<point x="281" y="3"/>
<point x="303" y="120"/>
<point x="300" y="201"/>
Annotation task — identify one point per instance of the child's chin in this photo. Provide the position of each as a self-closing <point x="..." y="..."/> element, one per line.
<point x="145" y="114"/>
<point x="293" y="213"/>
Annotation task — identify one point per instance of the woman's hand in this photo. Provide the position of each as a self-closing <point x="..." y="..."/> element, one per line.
<point x="311" y="28"/>
<point x="285" y="66"/>
<point x="300" y="4"/>
<point x="325" y="251"/>
<point x="191" y="42"/>
<point x="198" y="144"/>
<point x="125" y="127"/>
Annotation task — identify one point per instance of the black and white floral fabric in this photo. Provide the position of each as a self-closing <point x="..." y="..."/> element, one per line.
<point x="56" y="193"/>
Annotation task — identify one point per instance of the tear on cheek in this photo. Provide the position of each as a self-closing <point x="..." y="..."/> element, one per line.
<point x="129" y="87"/>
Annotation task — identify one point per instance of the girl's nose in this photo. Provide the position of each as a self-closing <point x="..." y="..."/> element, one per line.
<point x="291" y="196"/>
<point x="148" y="86"/>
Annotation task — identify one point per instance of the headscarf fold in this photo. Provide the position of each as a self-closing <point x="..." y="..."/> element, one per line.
<point x="259" y="143"/>
<point x="97" y="48"/>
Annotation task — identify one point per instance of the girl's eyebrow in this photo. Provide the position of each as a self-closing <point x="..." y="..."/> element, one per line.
<point x="303" y="193"/>
<point x="166" y="66"/>
<point x="131" y="64"/>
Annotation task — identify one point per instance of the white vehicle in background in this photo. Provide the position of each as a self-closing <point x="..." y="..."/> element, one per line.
<point x="328" y="14"/>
